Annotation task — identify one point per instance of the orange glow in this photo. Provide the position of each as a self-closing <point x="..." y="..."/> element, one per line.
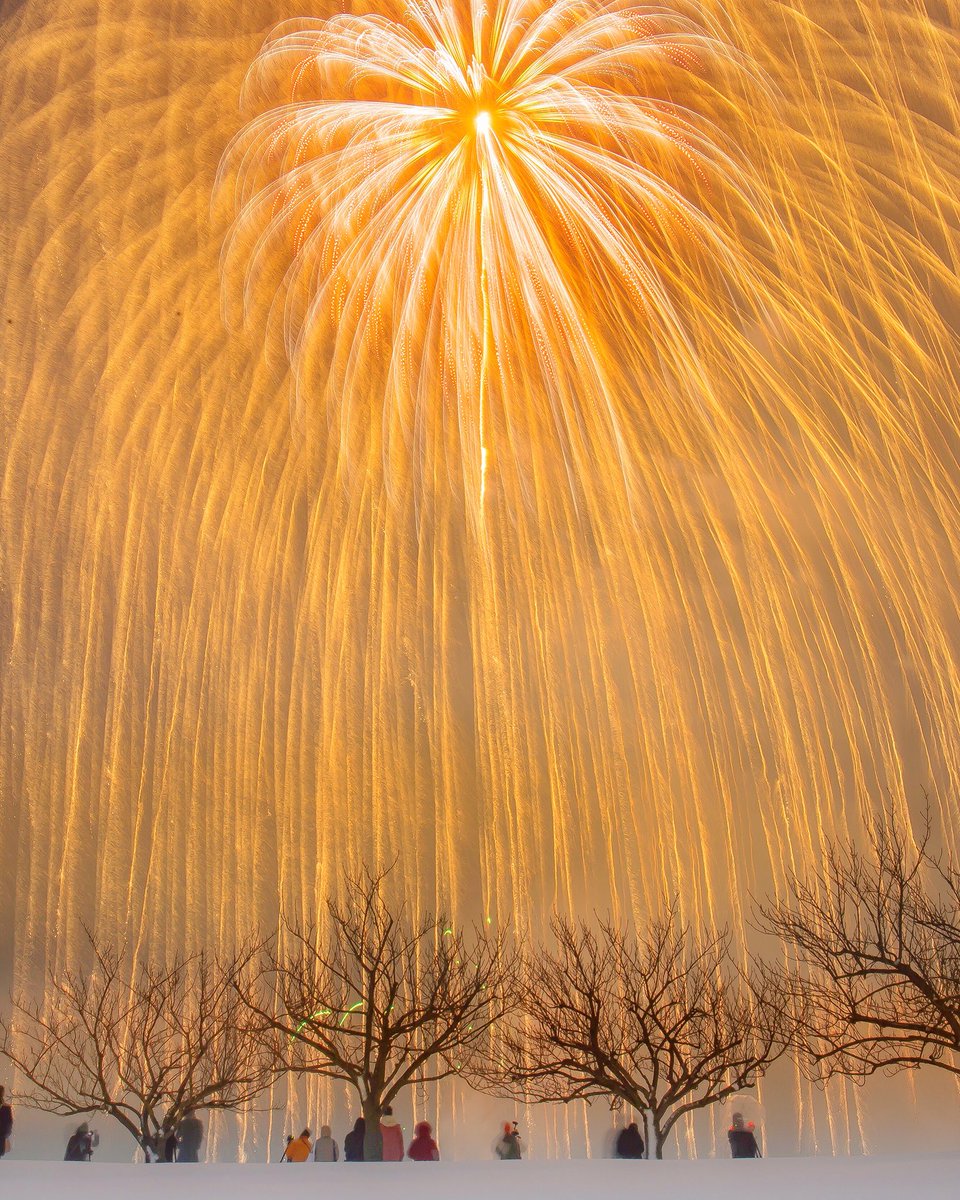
<point x="569" y="510"/>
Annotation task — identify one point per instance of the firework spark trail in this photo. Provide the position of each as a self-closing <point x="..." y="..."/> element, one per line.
<point x="707" y="605"/>
<point x="566" y="209"/>
<point x="393" y="206"/>
<point x="554" y="177"/>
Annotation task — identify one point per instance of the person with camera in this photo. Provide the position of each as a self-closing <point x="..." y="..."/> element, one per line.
<point x="742" y="1138"/>
<point x="82" y="1144"/>
<point x="508" y="1147"/>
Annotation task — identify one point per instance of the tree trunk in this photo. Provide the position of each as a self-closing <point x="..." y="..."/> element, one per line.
<point x="650" y="1133"/>
<point x="372" y="1138"/>
<point x="144" y="1138"/>
<point x="659" y="1138"/>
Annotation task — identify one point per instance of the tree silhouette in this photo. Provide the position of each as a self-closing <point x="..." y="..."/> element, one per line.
<point x="660" y="1021"/>
<point x="145" y="1043"/>
<point x="875" y="969"/>
<point x="381" y="1001"/>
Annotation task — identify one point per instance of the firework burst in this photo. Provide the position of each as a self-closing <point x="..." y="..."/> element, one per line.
<point x="601" y="406"/>
<point x="498" y="221"/>
<point x="614" y="545"/>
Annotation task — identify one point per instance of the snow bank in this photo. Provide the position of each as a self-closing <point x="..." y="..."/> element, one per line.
<point x="926" y="1177"/>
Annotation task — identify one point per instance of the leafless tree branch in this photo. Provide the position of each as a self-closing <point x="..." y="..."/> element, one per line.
<point x="661" y="1021"/>
<point x="379" y="1000"/>
<point x="874" y="967"/>
<point x="145" y="1043"/>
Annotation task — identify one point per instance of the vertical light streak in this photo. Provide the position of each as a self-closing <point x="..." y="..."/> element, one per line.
<point x="483" y="130"/>
<point x="711" y="600"/>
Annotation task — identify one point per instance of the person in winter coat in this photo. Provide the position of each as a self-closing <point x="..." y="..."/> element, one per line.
<point x="190" y="1137"/>
<point x="6" y="1124"/>
<point x="630" y="1142"/>
<point x="743" y="1143"/>
<point x="508" y="1147"/>
<point x="82" y="1144"/>
<point x="170" y="1145"/>
<point x="353" y="1142"/>
<point x="423" y="1148"/>
<point x="392" y="1133"/>
<point x="325" y="1148"/>
<point x="299" y="1149"/>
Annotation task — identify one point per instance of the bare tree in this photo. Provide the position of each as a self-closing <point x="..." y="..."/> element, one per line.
<point x="660" y="1021"/>
<point x="380" y="1001"/>
<point x="874" y="939"/>
<point x="146" y="1044"/>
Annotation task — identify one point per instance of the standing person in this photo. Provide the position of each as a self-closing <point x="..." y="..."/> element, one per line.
<point x="392" y="1133"/>
<point x="630" y="1142"/>
<point x="298" y="1149"/>
<point x="508" y="1147"/>
<point x="423" y="1148"/>
<point x="325" y="1148"/>
<point x="170" y="1145"/>
<point x="743" y="1143"/>
<point x="6" y="1123"/>
<point x="82" y="1144"/>
<point x="353" y="1142"/>
<point x="190" y="1137"/>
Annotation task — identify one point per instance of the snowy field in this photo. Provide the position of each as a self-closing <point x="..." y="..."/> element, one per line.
<point x="920" y="1177"/>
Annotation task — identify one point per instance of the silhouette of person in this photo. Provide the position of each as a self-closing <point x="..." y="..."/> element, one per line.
<point x="190" y="1137"/>
<point x="353" y="1142"/>
<point x="743" y="1143"/>
<point x="6" y="1123"/>
<point x="392" y="1133"/>
<point x="325" y="1148"/>
<point x="630" y="1142"/>
<point x="82" y="1144"/>
<point x="423" y="1148"/>
<point x="508" y="1147"/>
<point x="299" y="1149"/>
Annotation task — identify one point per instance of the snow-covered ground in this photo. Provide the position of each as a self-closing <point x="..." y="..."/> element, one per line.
<point x="919" y="1177"/>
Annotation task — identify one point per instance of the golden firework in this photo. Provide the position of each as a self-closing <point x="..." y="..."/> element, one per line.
<point x="610" y="547"/>
<point x="497" y="224"/>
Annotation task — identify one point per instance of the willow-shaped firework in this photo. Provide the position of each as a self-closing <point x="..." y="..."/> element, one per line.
<point x="612" y="549"/>
<point x="603" y="478"/>
<point x="495" y="217"/>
